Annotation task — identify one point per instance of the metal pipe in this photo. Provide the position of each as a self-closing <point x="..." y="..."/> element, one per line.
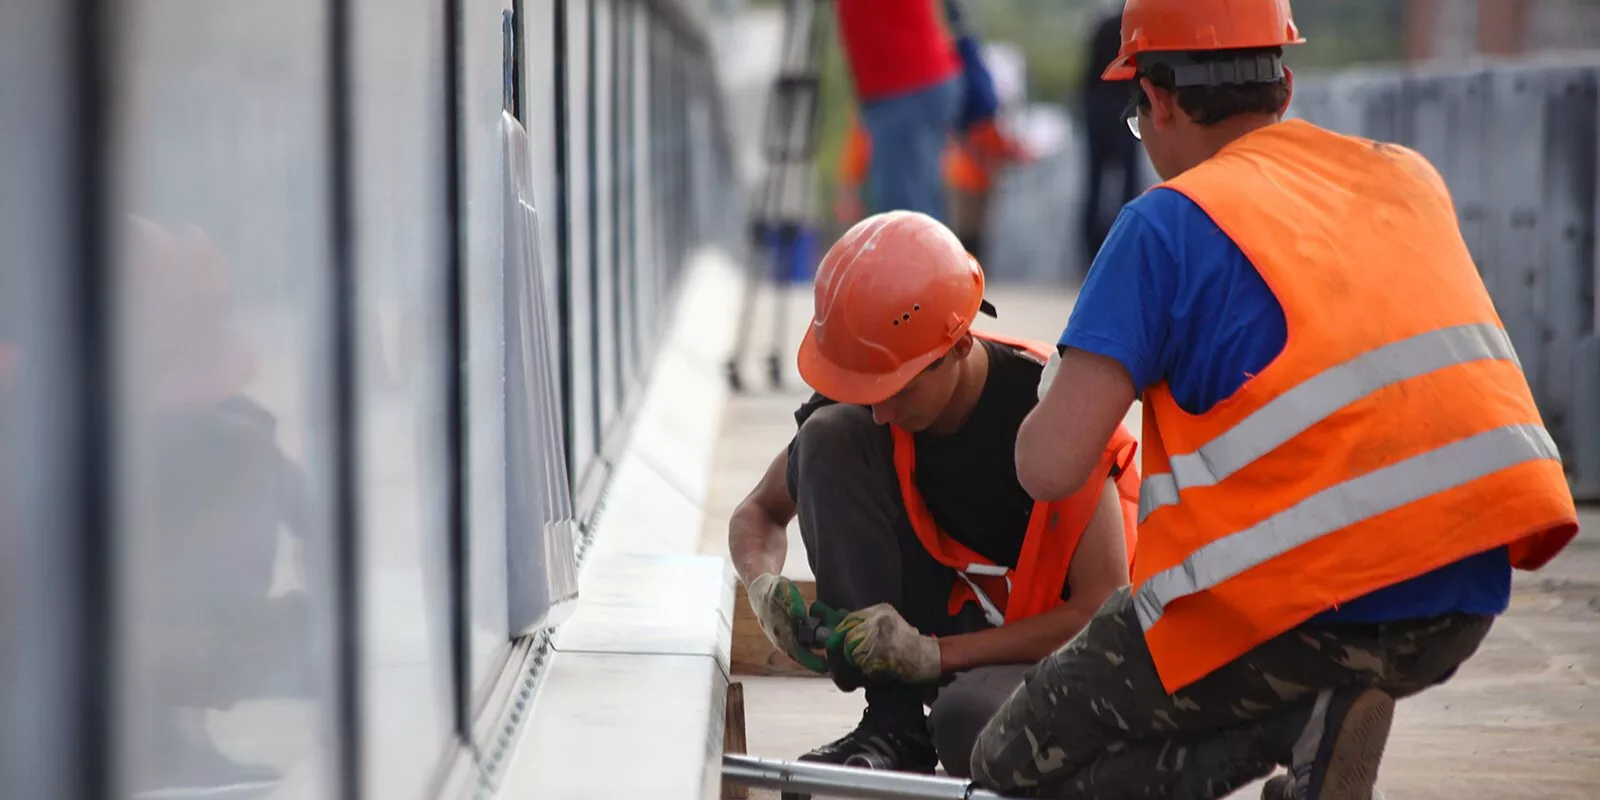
<point x="835" y="781"/>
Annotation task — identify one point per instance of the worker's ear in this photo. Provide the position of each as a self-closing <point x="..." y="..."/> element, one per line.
<point x="1163" y="105"/>
<point x="963" y="346"/>
<point x="1288" y="83"/>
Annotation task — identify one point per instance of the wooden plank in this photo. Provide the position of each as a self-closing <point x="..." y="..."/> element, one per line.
<point x="751" y="653"/>
<point x="733" y="738"/>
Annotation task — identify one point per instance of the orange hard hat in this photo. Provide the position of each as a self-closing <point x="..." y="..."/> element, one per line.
<point x="1190" y="26"/>
<point x="892" y="296"/>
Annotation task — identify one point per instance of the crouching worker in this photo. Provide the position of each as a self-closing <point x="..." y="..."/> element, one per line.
<point x="913" y="519"/>
<point x="1343" y="462"/>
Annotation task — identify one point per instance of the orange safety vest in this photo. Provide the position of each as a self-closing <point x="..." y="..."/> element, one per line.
<point x="1395" y="433"/>
<point x="1054" y="528"/>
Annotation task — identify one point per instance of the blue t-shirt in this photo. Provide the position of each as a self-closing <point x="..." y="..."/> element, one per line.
<point x="1171" y="297"/>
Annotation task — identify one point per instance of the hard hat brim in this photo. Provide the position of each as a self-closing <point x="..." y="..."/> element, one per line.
<point x="1121" y="69"/>
<point x="851" y="387"/>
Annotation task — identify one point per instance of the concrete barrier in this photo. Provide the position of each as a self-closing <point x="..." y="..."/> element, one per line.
<point x="627" y="696"/>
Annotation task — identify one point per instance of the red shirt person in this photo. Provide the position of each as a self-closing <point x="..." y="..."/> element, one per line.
<point x="906" y="73"/>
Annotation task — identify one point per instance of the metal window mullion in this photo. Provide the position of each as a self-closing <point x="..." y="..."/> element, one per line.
<point x="635" y="352"/>
<point x="89" y="396"/>
<point x="592" y="227"/>
<point x="455" y="384"/>
<point x="618" y="82"/>
<point x="346" y="454"/>
<point x="562" y="218"/>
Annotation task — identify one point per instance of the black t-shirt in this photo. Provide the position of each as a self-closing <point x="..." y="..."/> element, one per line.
<point x="969" y="478"/>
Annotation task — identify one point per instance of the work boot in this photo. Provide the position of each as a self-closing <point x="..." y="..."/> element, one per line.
<point x="892" y="740"/>
<point x="1336" y="748"/>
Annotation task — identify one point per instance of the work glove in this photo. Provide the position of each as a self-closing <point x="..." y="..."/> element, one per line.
<point x="780" y="609"/>
<point x="1049" y="375"/>
<point x="883" y="646"/>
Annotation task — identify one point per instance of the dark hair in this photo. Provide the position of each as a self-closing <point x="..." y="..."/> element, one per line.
<point x="1209" y="105"/>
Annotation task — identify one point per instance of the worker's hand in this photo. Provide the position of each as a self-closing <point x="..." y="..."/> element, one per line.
<point x="884" y="646"/>
<point x="1048" y="377"/>
<point x="779" y="607"/>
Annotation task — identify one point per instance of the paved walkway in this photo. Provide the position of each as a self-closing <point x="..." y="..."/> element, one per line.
<point x="1522" y="720"/>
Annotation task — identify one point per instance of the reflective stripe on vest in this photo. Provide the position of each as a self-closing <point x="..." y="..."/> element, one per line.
<point x="1341" y="506"/>
<point x="1316" y="399"/>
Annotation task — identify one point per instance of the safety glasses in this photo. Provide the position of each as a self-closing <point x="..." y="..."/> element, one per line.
<point x="1130" y="114"/>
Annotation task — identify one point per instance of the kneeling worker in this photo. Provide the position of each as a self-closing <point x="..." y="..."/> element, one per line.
<point x="910" y="509"/>
<point x="1343" y="462"/>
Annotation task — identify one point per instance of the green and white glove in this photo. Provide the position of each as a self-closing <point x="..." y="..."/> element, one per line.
<point x="884" y="646"/>
<point x="779" y="607"/>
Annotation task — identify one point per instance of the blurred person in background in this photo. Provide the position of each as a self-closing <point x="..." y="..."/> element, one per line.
<point x="907" y="77"/>
<point x="969" y="168"/>
<point x="210" y="500"/>
<point x="1111" y="152"/>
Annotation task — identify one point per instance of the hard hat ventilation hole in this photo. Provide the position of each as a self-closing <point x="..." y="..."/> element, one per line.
<point x="916" y="307"/>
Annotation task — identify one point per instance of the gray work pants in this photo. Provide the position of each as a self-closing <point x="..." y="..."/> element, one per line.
<point x="863" y="551"/>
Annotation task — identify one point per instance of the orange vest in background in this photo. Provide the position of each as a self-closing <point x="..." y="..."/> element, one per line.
<point x="1395" y="433"/>
<point x="968" y="165"/>
<point x="1054" y="528"/>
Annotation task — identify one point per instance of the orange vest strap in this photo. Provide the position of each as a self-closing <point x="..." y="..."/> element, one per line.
<point x="1054" y="529"/>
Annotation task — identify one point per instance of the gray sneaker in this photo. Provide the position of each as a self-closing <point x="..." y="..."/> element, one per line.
<point x="1338" y="750"/>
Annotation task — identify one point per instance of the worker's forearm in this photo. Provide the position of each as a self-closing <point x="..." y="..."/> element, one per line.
<point x="757" y="543"/>
<point x="1021" y="642"/>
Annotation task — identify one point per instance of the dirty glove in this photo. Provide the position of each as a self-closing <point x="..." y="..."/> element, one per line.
<point x="884" y="646"/>
<point x="1049" y="375"/>
<point x="779" y="608"/>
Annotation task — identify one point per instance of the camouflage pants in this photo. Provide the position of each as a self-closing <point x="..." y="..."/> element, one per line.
<point x="1093" y="720"/>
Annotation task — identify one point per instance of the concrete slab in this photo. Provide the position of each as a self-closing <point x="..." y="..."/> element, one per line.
<point x="1521" y="720"/>
<point x="658" y="604"/>
<point x="645" y="512"/>
<point x="574" y="745"/>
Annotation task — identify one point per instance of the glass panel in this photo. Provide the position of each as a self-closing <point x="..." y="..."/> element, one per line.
<point x="38" y="621"/>
<point x="540" y="118"/>
<point x="627" y="220"/>
<point x="541" y="538"/>
<point x="224" y="395"/>
<point x="482" y="88"/>
<point x="605" y="296"/>
<point x="580" y="316"/>
<point x="404" y="353"/>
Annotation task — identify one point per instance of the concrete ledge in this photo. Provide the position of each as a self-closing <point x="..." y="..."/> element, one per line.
<point x="609" y="726"/>
<point x="630" y="702"/>
<point x="659" y="605"/>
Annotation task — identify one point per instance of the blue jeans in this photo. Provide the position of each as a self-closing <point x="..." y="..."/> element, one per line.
<point x="909" y="133"/>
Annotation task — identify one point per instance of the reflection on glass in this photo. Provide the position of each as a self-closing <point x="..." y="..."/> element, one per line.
<point x="403" y="351"/>
<point x="223" y="469"/>
<point x="485" y="165"/>
<point x="38" y="493"/>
